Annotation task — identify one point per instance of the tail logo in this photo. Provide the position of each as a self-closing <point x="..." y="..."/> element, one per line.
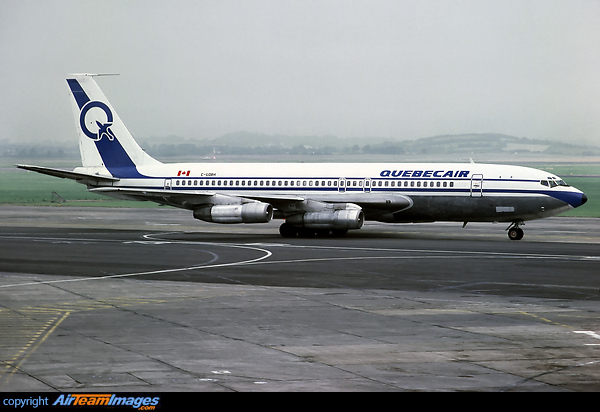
<point x="103" y="129"/>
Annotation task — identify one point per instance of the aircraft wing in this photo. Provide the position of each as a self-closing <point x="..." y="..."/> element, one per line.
<point x="191" y="199"/>
<point x="66" y="174"/>
<point x="367" y="201"/>
<point x="288" y="204"/>
<point x="186" y="198"/>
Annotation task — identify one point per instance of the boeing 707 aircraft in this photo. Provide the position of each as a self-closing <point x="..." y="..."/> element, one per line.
<point x="311" y="198"/>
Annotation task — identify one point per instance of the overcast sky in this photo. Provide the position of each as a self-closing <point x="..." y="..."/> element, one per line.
<point x="402" y="69"/>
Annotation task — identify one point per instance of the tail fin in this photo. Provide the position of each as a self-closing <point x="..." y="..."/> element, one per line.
<point x="104" y="141"/>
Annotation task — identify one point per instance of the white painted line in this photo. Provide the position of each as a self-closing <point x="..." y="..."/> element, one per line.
<point x="589" y="333"/>
<point x="157" y="272"/>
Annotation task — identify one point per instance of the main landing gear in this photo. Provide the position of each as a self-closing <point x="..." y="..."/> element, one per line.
<point x="514" y="231"/>
<point x="287" y="230"/>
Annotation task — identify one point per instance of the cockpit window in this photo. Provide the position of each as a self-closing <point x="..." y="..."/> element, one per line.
<point x="561" y="182"/>
<point x="553" y="182"/>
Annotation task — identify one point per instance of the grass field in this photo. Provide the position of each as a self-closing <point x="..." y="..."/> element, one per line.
<point x="28" y="188"/>
<point x="578" y="175"/>
<point x="591" y="187"/>
<point x="21" y="187"/>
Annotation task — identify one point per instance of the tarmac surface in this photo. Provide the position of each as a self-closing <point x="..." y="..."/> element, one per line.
<point x="150" y="300"/>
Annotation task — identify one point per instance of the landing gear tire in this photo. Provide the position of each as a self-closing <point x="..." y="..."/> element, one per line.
<point x="322" y="232"/>
<point x="305" y="232"/>
<point x="515" y="233"/>
<point x="287" y="230"/>
<point x="339" y="232"/>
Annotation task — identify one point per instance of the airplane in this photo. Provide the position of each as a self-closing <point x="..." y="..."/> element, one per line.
<point x="325" y="199"/>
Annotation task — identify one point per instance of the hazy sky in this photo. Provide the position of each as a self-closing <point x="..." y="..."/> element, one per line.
<point x="401" y="69"/>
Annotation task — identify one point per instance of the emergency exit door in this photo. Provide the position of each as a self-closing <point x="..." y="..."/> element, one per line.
<point x="477" y="186"/>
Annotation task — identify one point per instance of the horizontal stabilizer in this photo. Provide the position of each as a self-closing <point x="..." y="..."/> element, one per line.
<point x="66" y="174"/>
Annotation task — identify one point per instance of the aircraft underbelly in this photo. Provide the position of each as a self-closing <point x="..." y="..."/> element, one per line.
<point x="475" y="209"/>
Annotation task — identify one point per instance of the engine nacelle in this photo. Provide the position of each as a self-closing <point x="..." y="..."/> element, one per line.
<point x="246" y="213"/>
<point x="344" y="219"/>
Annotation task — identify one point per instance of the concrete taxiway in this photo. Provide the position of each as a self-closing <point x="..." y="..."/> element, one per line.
<point x="95" y="299"/>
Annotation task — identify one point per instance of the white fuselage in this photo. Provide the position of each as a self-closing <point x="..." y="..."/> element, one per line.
<point x="399" y="192"/>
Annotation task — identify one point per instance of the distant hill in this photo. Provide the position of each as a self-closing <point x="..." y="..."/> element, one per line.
<point x="247" y="143"/>
<point x="443" y="144"/>
<point x="248" y="139"/>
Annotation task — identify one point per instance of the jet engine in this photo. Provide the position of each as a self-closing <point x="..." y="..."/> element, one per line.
<point x="243" y="213"/>
<point x="344" y="219"/>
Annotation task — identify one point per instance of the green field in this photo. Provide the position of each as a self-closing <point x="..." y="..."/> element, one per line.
<point x="29" y="188"/>
<point x="20" y="187"/>
<point x="578" y="175"/>
<point x="591" y="187"/>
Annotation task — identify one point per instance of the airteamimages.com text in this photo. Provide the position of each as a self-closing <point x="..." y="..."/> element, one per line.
<point x="147" y="403"/>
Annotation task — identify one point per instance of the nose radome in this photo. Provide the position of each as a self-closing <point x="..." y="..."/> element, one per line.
<point x="583" y="199"/>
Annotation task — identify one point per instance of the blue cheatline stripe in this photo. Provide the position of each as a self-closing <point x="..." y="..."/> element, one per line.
<point x="114" y="156"/>
<point x="572" y="198"/>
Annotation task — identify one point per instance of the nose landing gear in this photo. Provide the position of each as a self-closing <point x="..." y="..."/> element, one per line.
<point x="514" y="231"/>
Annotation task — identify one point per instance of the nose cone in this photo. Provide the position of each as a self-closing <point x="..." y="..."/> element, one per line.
<point x="577" y="199"/>
<point x="574" y="198"/>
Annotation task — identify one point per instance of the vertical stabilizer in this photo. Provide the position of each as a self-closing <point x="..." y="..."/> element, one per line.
<point x="104" y="141"/>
